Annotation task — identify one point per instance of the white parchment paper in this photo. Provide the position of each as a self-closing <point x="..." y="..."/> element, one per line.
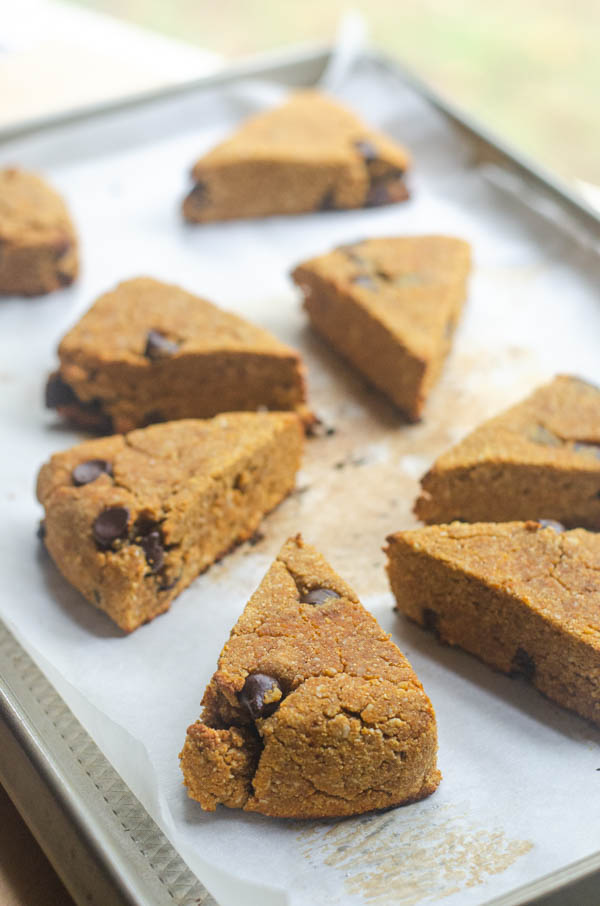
<point x="521" y="790"/>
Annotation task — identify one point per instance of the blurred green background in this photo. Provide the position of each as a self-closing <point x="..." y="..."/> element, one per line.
<point x="530" y="69"/>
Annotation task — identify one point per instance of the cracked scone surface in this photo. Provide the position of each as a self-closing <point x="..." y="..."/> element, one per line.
<point x="131" y="520"/>
<point x="149" y="352"/>
<point x="309" y="154"/>
<point x="522" y="597"/>
<point x="390" y="307"/>
<point x="38" y="245"/>
<point x="346" y="726"/>
<point x="539" y="459"/>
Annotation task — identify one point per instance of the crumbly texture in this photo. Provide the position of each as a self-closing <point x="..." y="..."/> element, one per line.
<point x="311" y="154"/>
<point x="523" y="598"/>
<point x="538" y="460"/>
<point x="191" y="489"/>
<point x="390" y="306"/>
<point x="150" y="352"/>
<point x="38" y="246"/>
<point x="353" y="729"/>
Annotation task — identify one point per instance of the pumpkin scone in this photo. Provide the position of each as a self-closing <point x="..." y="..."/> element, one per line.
<point x="522" y="596"/>
<point x="309" y="154"/>
<point x="313" y="711"/>
<point x="150" y="352"/>
<point x="538" y="460"/>
<point x="131" y="520"/>
<point x="390" y="306"/>
<point x="38" y="245"/>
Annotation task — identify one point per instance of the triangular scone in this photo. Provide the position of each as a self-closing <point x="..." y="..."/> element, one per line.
<point x="538" y="460"/>
<point x="522" y="597"/>
<point x="131" y="520"/>
<point x="310" y="154"/>
<point x="38" y="244"/>
<point x="313" y="711"/>
<point x="390" y="307"/>
<point x="149" y="352"/>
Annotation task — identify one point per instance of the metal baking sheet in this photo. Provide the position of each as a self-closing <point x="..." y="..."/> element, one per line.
<point x="516" y="815"/>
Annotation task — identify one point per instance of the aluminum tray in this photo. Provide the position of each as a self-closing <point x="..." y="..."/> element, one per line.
<point x="100" y="839"/>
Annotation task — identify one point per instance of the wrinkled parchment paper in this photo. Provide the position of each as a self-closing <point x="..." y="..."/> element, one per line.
<point x="520" y="793"/>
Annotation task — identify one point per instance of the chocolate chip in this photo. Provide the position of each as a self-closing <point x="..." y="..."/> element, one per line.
<point x="58" y="392"/>
<point x="365" y="281"/>
<point x="89" y="471"/>
<point x="41" y="530"/>
<point x="153" y="548"/>
<point x="367" y="151"/>
<point x="110" y="525"/>
<point x="256" y="688"/>
<point x="199" y="194"/>
<point x="431" y="620"/>
<point x="523" y="664"/>
<point x="387" y="190"/>
<point x="327" y="202"/>
<point x="317" y="596"/>
<point x="552" y="524"/>
<point x="158" y="346"/>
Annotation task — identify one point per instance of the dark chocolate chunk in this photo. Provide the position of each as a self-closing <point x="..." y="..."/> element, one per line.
<point x="159" y="346"/>
<point x="199" y="194"/>
<point x="523" y="664"/>
<point x="552" y="523"/>
<point x="89" y="471"/>
<point x="317" y="596"/>
<point x="152" y="546"/>
<point x="365" y="281"/>
<point x="110" y="526"/>
<point x="431" y="620"/>
<point x="256" y="688"/>
<point x="387" y="190"/>
<point x="367" y="150"/>
<point x="327" y="202"/>
<point x="58" y="392"/>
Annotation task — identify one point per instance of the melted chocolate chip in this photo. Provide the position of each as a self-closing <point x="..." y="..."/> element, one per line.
<point x="365" y="281"/>
<point x="89" y="471"/>
<point x="553" y="524"/>
<point x="110" y="526"/>
<point x="159" y="346"/>
<point x="327" y="202"/>
<point x="256" y="688"/>
<point x="58" y="392"/>
<point x="153" y="548"/>
<point x="367" y="151"/>
<point x="523" y="664"/>
<point x="317" y="596"/>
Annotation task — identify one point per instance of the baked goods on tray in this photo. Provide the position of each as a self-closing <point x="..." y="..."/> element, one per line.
<point x="538" y="460"/>
<point x="131" y="520"/>
<point x="522" y="596"/>
<point x="38" y="245"/>
<point x="310" y="154"/>
<point x="313" y="711"/>
<point x="149" y="352"/>
<point x="390" y="307"/>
